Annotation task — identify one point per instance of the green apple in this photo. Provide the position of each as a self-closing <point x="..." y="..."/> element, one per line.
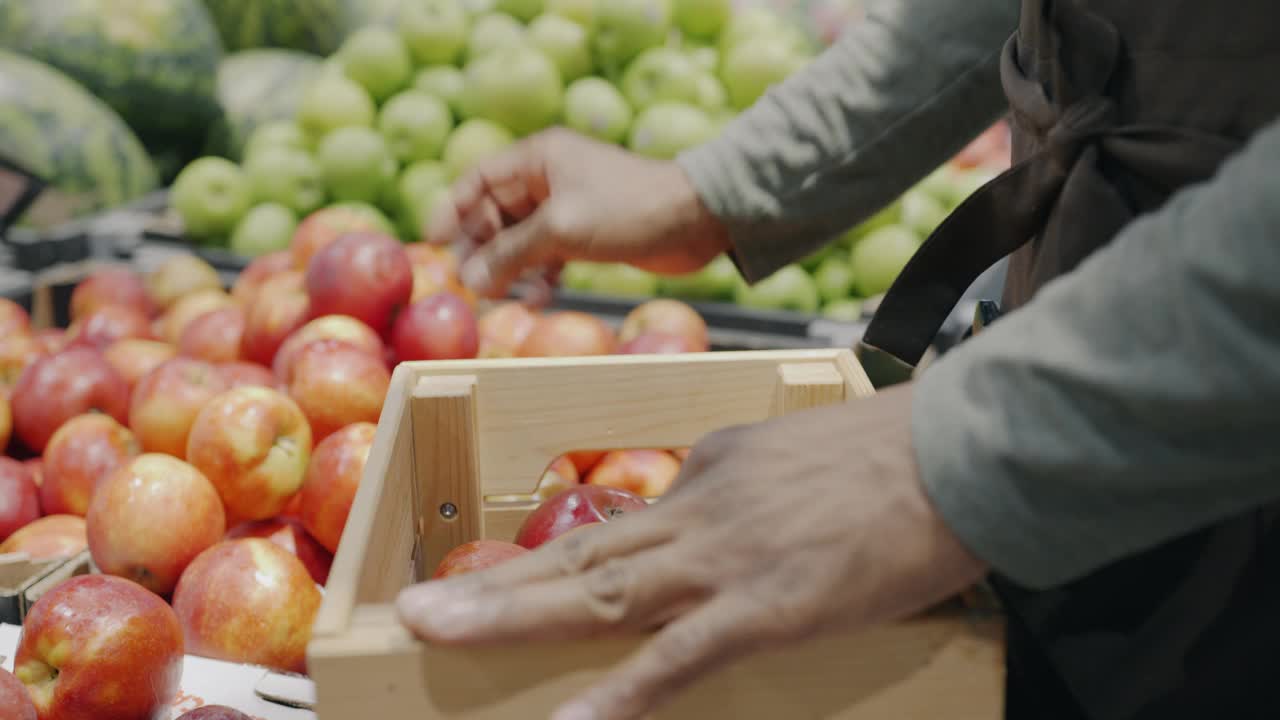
<point x="879" y="258"/>
<point x="523" y="10"/>
<point x="706" y="57"/>
<point x="752" y="67"/>
<point x="762" y="22"/>
<point x="887" y="216"/>
<point x="625" y="28"/>
<point x="517" y="87"/>
<point x="445" y="82"/>
<point x="661" y="74"/>
<point x="593" y="106"/>
<point x="715" y="281"/>
<point x="579" y="11"/>
<point x="287" y="176"/>
<point x="940" y="183"/>
<point x="265" y="228"/>
<point x="211" y="195"/>
<point x="712" y="96"/>
<point x="834" y="279"/>
<point x="332" y="102"/>
<point x="922" y="212"/>
<point x="476" y="8"/>
<point x="356" y="164"/>
<point x="417" y="192"/>
<point x="623" y="280"/>
<point x="377" y="58"/>
<point x="666" y="129"/>
<point x="434" y="31"/>
<point x="578" y="275"/>
<point x="415" y="125"/>
<point x="790" y="288"/>
<point x="846" y="310"/>
<point x="565" y="42"/>
<point x="967" y="183"/>
<point x="278" y="133"/>
<point x="702" y="18"/>
<point x="473" y="141"/>
<point x="814" y="260"/>
<point x="492" y="31"/>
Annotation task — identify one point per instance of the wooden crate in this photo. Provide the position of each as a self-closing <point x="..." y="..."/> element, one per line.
<point x="455" y="433"/>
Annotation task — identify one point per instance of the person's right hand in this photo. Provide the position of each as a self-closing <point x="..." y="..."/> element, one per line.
<point x="559" y="196"/>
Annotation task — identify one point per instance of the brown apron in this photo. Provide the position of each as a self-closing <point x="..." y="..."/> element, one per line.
<point x="1115" y="105"/>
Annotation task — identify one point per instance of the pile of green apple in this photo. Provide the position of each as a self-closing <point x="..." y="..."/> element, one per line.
<point x="833" y="282"/>
<point x="401" y="110"/>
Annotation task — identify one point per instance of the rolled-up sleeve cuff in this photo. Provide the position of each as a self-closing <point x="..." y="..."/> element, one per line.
<point x="961" y="457"/>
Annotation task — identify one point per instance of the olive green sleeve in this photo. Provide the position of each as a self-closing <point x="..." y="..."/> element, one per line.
<point x="1132" y="401"/>
<point x="900" y="93"/>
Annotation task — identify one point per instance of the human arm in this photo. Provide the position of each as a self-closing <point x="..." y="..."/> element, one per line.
<point x="896" y="96"/>
<point x="1132" y="401"/>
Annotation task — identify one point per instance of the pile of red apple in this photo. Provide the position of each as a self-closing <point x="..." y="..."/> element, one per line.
<point x="205" y="446"/>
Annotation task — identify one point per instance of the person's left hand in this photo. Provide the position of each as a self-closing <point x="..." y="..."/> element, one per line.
<point x="773" y="533"/>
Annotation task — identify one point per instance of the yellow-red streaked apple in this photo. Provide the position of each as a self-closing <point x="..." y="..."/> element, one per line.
<point x="337" y="384"/>
<point x="84" y="451"/>
<point x="50" y="537"/>
<point x="647" y="473"/>
<point x="214" y="336"/>
<point x="332" y="480"/>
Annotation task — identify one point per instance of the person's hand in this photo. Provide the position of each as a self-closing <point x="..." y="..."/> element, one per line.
<point x="773" y="533"/>
<point x="559" y="196"/>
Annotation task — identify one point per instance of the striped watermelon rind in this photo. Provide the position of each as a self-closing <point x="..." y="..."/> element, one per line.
<point x="310" y="25"/>
<point x="53" y="127"/>
<point x="256" y="87"/>
<point x="153" y="61"/>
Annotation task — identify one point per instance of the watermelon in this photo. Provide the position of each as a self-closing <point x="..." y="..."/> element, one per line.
<point x="311" y="25"/>
<point x="51" y="126"/>
<point x="257" y="87"/>
<point x="152" y="60"/>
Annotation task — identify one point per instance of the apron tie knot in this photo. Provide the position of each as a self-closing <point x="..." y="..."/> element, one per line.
<point x="1078" y="125"/>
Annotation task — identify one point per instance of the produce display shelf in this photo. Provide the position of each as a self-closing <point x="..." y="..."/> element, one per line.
<point x="489" y="425"/>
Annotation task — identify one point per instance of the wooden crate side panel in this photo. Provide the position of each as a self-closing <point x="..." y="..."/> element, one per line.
<point x="374" y="559"/>
<point x="530" y="411"/>
<point x="936" y="666"/>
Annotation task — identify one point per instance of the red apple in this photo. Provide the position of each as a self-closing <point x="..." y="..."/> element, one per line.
<point x="478" y="555"/>
<point x="111" y="286"/>
<point x="189" y="308"/>
<point x="337" y="384"/>
<point x="51" y="340"/>
<point x="568" y="334"/>
<point x="421" y="253"/>
<point x="288" y="533"/>
<point x="14" y="319"/>
<point x="560" y="476"/>
<point x="503" y="328"/>
<point x="15" y="701"/>
<point x="322" y="227"/>
<point x="584" y="460"/>
<point x="58" y="387"/>
<point x="179" y="276"/>
<point x="248" y="601"/>
<point x="214" y="336"/>
<point x="253" y="444"/>
<point x="256" y="273"/>
<point x="52" y="536"/>
<point x="133" y="358"/>
<point x="654" y="343"/>
<point x="366" y="275"/>
<point x="166" y="401"/>
<point x="240" y="374"/>
<point x="19" y="497"/>
<point x="281" y="307"/>
<point x="6" y="419"/>
<point x="439" y="327"/>
<point x="151" y="518"/>
<point x="81" y="454"/>
<point x="16" y="353"/>
<point x="329" y="327"/>
<point x="647" y="473"/>
<point x="575" y="507"/>
<point x="437" y="278"/>
<point x="98" y="646"/>
<point x="105" y="325"/>
<point x="214" y="712"/>
<point x="669" y="317"/>
<point x="332" y="480"/>
<point x="36" y="466"/>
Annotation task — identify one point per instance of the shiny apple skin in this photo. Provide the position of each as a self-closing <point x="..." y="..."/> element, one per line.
<point x="575" y="507"/>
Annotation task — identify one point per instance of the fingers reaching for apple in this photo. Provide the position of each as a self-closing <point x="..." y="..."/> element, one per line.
<point x="773" y="533"/>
